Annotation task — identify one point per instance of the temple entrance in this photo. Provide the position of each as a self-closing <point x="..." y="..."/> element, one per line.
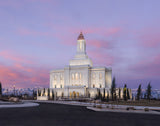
<point x="77" y="94"/>
<point x="74" y="94"/>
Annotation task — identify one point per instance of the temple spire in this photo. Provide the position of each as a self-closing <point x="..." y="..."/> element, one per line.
<point x="81" y="57"/>
<point x="80" y="37"/>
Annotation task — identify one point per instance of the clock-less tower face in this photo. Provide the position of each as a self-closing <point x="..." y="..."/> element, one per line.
<point x="80" y="46"/>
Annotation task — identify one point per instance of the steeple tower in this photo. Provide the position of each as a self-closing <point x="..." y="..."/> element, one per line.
<point x="81" y="45"/>
<point x="81" y="57"/>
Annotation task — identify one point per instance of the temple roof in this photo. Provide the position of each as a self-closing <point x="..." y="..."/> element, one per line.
<point x="81" y="37"/>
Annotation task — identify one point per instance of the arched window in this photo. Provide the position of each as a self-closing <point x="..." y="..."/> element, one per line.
<point x="72" y="76"/>
<point x="55" y="86"/>
<point x="80" y="45"/>
<point x="76" y="76"/>
<point x="93" y="75"/>
<point x="93" y="85"/>
<point x="61" y="77"/>
<point x="55" y="77"/>
<point x="100" y="86"/>
<point x="61" y="85"/>
<point x="80" y="76"/>
<point x="100" y="75"/>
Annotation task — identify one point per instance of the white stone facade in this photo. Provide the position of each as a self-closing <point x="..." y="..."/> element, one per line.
<point x="80" y="78"/>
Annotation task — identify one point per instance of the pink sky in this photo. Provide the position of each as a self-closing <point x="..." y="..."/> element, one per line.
<point x="122" y="34"/>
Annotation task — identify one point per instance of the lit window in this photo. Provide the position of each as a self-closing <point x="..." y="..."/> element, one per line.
<point x="80" y="76"/>
<point x="76" y="76"/>
<point x="100" y="75"/>
<point x="55" y="77"/>
<point x="93" y="75"/>
<point x="80" y="45"/>
<point x="72" y="76"/>
<point x="61" y="77"/>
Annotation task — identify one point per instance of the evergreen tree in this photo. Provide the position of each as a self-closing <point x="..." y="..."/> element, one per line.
<point x="88" y="95"/>
<point x="44" y="92"/>
<point x="52" y="94"/>
<point x="0" y="89"/>
<point x="99" y="94"/>
<point x="148" y="91"/>
<point x="139" y="92"/>
<point x="33" y="93"/>
<point x="119" y="93"/>
<point x="48" y="92"/>
<point x="113" y="89"/>
<point x="107" y="99"/>
<point x="128" y="96"/>
<point x="39" y="92"/>
<point x="103" y="95"/>
<point x="125" y="92"/>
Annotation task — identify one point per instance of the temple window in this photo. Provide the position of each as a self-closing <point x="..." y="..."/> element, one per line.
<point x="80" y="76"/>
<point x="100" y="75"/>
<point x="76" y="76"/>
<point x="55" y="77"/>
<point x="93" y="75"/>
<point x="72" y="76"/>
<point x="61" y="76"/>
<point x="80" y="45"/>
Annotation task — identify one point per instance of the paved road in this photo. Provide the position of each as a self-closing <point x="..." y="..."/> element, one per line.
<point x="67" y="115"/>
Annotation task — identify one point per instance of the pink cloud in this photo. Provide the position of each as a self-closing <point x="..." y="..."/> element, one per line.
<point x="101" y="57"/>
<point x="23" y="76"/>
<point x="104" y="32"/>
<point x="10" y="55"/>
<point x="149" y="37"/>
<point x="22" y="72"/>
<point x="99" y="43"/>
<point x="147" y="68"/>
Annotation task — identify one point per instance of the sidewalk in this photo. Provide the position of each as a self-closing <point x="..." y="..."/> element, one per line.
<point x="25" y="104"/>
<point x="92" y="104"/>
<point x="123" y="110"/>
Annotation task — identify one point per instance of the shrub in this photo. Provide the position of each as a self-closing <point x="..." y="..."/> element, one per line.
<point x="99" y="106"/>
<point x="107" y="106"/>
<point x="132" y="108"/>
<point x="146" y="109"/>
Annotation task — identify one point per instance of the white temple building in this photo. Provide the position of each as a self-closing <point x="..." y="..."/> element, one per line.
<point x="80" y="78"/>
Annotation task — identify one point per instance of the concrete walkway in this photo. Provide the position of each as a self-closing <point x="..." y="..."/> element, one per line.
<point x="123" y="110"/>
<point x="18" y="105"/>
<point x="92" y="104"/>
